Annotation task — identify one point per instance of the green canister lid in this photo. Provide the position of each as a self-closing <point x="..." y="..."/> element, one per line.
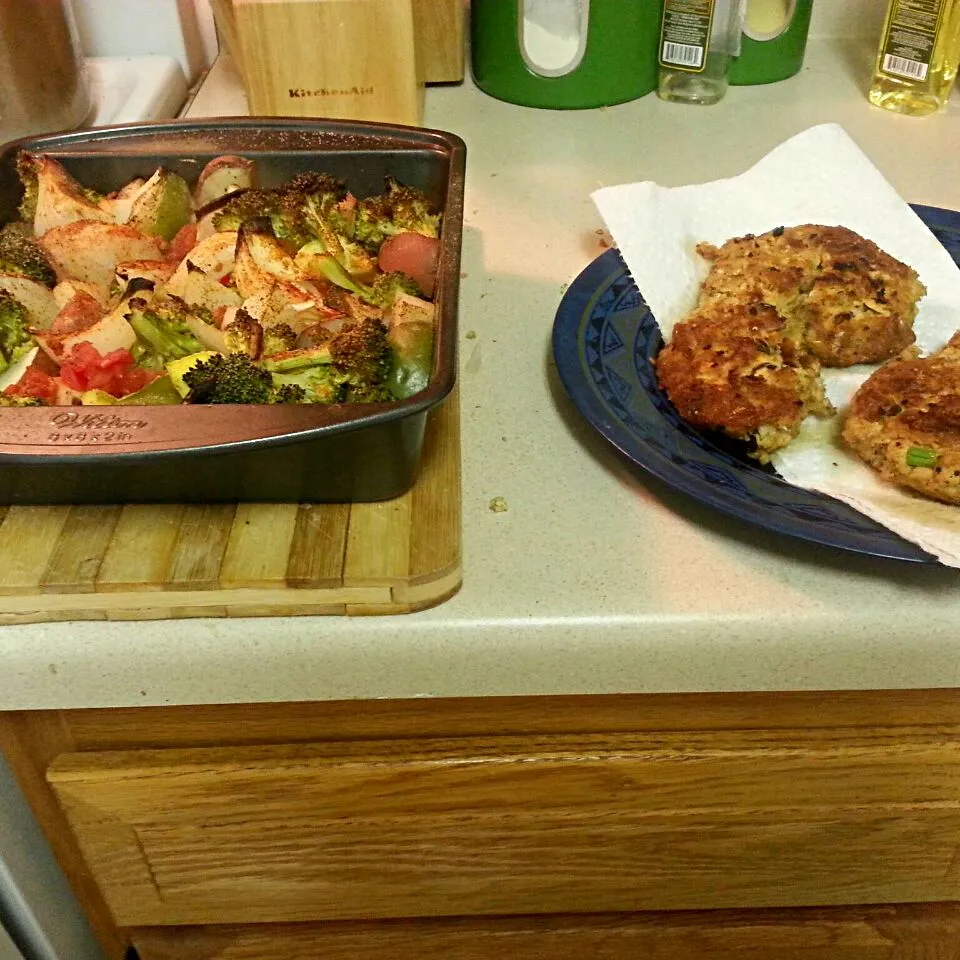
<point x="773" y="43"/>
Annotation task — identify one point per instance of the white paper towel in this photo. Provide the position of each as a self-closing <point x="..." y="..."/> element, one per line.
<point x="819" y="176"/>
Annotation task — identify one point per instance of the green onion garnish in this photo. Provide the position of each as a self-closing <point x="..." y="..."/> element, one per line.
<point x="922" y="457"/>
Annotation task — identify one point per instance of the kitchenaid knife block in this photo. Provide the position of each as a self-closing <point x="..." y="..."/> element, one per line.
<point x="355" y="59"/>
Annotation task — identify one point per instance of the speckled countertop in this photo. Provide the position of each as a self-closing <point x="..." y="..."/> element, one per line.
<point x="593" y="580"/>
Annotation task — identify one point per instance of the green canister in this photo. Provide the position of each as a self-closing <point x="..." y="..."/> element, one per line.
<point x="773" y="43"/>
<point x="565" y="54"/>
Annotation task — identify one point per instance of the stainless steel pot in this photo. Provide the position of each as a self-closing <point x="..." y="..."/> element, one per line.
<point x="44" y="86"/>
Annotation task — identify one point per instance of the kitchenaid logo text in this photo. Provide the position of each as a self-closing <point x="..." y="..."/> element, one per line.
<point x="95" y="421"/>
<point x="297" y="92"/>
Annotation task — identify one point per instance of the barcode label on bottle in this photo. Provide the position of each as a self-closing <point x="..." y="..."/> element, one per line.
<point x="911" y="37"/>
<point x="902" y="67"/>
<point x="682" y="54"/>
<point x="685" y="34"/>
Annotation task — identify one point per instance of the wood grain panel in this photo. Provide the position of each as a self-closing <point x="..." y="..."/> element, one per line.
<point x="518" y="825"/>
<point x="143" y="562"/>
<point x="141" y="549"/>
<point x="230" y="724"/>
<point x="440" y="35"/>
<point x="81" y="546"/>
<point x="903" y="932"/>
<point x="30" y="741"/>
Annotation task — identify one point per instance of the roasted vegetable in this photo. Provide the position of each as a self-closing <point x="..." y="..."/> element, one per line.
<point x="221" y="176"/>
<point x="90" y="250"/>
<point x="39" y="301"/>
<point x="163" y="333"/>
<point x="15" y="338"/>
<point x="278" y="338"/>
<point x="162" y="206"/>
<point x="401" y="209"/>
<point x="55" y="198"/>
<point x="20" y="254"/>
<point x="411" y="358"/>
<point x="284" y="302"/>
<point x="244" y="335"/>
<point x="236" y="378"/>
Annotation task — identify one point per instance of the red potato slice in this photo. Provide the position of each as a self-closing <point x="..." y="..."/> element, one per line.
<point x="221" y="176"/>
<point x="38" y="299"/>
<point x="90" y="251"/>
<point x="414" y="255"/>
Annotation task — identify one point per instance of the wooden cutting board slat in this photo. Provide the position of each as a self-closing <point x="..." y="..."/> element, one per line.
<point x="146" y="561"/>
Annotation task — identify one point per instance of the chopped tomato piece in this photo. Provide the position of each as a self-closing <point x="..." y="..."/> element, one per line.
<point x="34" y="383"/>
<point x="115" y="373"/>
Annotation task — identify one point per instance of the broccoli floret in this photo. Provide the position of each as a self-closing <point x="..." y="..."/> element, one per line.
<point x="15" y="337"/>
<point x="310" y="205"/>
<point x="235" y="378"/>
<point x="247" y="205"/>
<point x="162" y="333"/>
<point x="244" y="335"/>
<point x="27" y="171"/>
<point x="319" y="384"/>
<point x="20" y="254"/>
<point x="360" y="351"/>
<point x="400" y="209"/>
<point x="278" y="338"/>
<point x="352" y="366"/>
<point x="384" y="289"/>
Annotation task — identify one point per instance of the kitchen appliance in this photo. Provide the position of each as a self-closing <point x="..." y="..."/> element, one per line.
<point x="773" y="43"/>
<point x="44" y="84"/>
<point x="275" y="452"/>
<point x="39" y="917"/>
<point x="565" y="54"/>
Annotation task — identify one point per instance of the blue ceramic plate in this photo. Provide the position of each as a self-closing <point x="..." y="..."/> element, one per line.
<point x="604" y="338"/>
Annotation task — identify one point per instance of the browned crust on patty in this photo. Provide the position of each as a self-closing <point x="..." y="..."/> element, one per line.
<point x="736" y="368"/>
<point x="772" y="309"/>
<point x="856" y="302"/>
<point x="911" y="403"/>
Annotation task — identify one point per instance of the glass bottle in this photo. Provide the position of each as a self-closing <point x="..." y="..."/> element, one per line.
<point x="918" y="56"/>
<point x="697" y="39"/>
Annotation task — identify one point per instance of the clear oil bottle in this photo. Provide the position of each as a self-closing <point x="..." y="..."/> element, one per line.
<point x="697" y="39"/>
<point x="918" y="56"/>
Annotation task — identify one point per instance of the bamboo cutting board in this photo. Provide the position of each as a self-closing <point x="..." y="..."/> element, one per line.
<point x="147" y="562"/>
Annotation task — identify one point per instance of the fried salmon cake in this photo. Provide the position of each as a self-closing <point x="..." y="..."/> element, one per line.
<point x="740" y="368"/>
<point x="857" y="304"/>
<point x="905" y="422"/>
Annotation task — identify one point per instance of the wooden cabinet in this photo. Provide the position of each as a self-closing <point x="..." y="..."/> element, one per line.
<point x="661" y="826"/>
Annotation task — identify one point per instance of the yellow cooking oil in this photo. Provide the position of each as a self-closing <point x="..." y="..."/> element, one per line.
<point x="918" y="56"/>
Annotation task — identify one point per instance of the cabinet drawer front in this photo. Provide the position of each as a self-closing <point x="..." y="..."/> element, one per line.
<point x="516" y="825"/>
<point x="836" y="933"/>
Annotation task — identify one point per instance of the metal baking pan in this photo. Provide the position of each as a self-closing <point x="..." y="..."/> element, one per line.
<point x="224" y="453"/>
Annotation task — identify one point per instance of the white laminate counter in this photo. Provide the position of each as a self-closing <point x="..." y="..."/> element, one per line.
<point x="593" y="580"/>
